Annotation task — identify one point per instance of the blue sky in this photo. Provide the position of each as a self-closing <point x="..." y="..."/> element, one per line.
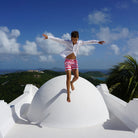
<point x="22" y="23"/>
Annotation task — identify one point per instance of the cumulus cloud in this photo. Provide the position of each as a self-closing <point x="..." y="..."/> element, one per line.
<point x="9" y="45"/>
<point x="66" y="36"/>
<point x="115" y="48"/>
<point x="8" y="42"/>
<point x="48" y="46"/>
<point x="133" y="46"/>
<point x="30" y="48"/>
<point x="110" y="35"/>
<point x="99" y="17"/>
<point x="15" y="33"/>
<point x="48" y="58"/>
<point x="86" y="50"/>
<point x="4" y="29"/>
<point x="43" y="49"/>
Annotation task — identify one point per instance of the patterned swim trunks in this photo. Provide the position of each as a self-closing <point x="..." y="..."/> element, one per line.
<point x="70" y="64"/>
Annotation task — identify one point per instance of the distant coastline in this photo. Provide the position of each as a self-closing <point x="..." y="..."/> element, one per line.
<point x="7" y="71"/>
<point x="83" y="70"/>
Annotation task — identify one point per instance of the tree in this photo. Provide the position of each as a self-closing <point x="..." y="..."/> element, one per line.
<point x="123" y="79"/>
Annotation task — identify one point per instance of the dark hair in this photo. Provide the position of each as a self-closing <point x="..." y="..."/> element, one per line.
<point x="75" y="34"/>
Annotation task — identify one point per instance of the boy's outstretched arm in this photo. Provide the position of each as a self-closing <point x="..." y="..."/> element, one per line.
<point x="101" y="42"/>
<point x="61" y="41"/>
<point x="46" y="37"/>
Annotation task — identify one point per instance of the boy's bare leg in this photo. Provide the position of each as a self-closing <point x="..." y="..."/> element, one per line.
<point x="76" y="76"/>
<point x="68" y="73"/>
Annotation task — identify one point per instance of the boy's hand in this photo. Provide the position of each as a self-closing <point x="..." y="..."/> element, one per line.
<point x="46" y="37"/>
<point x="101" y="42"/>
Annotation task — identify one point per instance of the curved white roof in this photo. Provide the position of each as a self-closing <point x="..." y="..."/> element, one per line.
<point x="50" y="108"/>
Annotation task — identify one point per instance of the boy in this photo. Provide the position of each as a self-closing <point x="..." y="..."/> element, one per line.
<point x="70" y="53"/>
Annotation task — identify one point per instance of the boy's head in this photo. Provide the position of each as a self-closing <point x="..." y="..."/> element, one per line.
<point x="74" y="36"/>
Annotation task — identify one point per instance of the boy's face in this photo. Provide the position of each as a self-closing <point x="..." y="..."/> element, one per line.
<point x="74" y="40"/>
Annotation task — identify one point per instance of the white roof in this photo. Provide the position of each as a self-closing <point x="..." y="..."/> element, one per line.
<point x="112" y="128"/>
<point x="50" y="108"/>
<point x="93" y="112"/>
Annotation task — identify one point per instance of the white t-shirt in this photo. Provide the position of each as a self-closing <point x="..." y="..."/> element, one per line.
<point x="70" y="48"/>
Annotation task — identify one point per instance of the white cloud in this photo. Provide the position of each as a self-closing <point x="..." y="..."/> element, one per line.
<point x="43" y="49"/>
<point x="48" y="46"/>
<point x="110" y="35"/>
<point x="48" y="58"/>
<point x="15" y="33"/>
<point x="99" y="17"/>
<point x="43" y="58"/>
<point x="115" y="48"/>
<point x="4" y="29"/>
<point x="30" y="48"/>
<point x="8" y="43"/>
<point x="133" y="46"/>
<point x="86" y="50"/>
<point x="66" y="36"/>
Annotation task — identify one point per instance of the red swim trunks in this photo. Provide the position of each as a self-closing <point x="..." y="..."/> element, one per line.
<point x="70" y="64"/>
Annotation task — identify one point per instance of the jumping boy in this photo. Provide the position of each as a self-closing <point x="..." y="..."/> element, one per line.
<point x="70" y="53"/>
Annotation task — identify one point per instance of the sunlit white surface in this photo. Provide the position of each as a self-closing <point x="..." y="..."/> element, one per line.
<point x="49" y="105"/>
<point x="122" y="122"/>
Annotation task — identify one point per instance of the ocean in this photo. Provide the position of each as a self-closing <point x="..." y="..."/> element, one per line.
<point x="7" y="71"/>
<point x="84" y="70"/>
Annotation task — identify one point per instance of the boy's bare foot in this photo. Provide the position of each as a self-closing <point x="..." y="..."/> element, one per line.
<point x="68" y="99"/>
<point x="72" y="86"/>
